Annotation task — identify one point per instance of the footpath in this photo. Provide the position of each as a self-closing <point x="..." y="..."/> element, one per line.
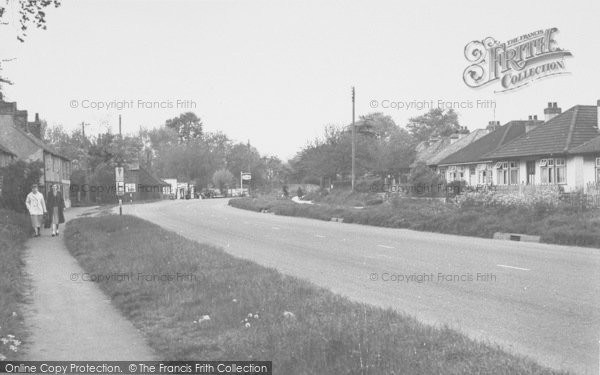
<point x="70" y="319"/>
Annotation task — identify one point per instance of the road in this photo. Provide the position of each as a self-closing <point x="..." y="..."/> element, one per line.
<point x="533" y="299"/>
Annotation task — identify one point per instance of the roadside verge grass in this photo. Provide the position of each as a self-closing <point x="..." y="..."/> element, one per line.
<point x="194" y="301"/>
<point x="14" y="231"/>
<point x="564" y="226"/>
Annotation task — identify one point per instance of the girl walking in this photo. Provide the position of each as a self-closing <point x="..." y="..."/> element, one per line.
<point x="36" y="207"/>
<point x="56" y="206"/>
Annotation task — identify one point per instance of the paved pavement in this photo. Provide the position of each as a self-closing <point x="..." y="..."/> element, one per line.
<point x="73" y="320"/>
<point x="534" y="299"/>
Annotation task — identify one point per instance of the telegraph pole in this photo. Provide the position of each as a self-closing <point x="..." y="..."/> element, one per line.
<point x="83" y="125"/>
<point x="353" y="140"/>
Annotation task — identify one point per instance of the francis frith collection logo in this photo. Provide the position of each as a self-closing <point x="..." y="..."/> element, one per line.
<point x="515" y="63"/>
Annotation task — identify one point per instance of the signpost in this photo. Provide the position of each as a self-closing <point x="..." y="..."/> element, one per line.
<point x="120" y="180"/>
<point x="244" y="176"/>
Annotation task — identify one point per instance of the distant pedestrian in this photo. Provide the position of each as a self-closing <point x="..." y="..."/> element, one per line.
<point x="56" y="206"/>
<point x="37" y="208"/>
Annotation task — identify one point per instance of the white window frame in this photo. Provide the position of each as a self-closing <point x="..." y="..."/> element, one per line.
<point x="597" y="162"/>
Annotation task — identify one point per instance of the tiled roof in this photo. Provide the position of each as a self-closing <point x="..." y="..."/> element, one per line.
<point x="558" y="136"/>
<point x="426" y="150"/>
<point x="473" y="152"/>
<point x="592" y="146"/>
<point x="38" y="142"/>
<point x="145" y="178"/>
<point x="6" y="150"/>
<point x="455" y="146"/>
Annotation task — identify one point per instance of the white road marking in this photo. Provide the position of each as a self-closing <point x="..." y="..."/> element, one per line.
<point x="515" y="268"/>
<point x="319" y="236"/>
<point x="385" y="246"/>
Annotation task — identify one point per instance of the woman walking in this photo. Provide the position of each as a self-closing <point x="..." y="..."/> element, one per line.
<point x="56" y="206"/>
<point x="36" y="207"/>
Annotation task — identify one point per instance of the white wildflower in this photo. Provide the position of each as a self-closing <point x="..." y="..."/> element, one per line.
<point x="247" y="325"/>
<point x="255" y="316"/>
<point x="204" y="318"/>
<point x="13" y="348"/>
<point x="289" y="315"/>
<point x="234" y="300"/>
<point x="2" y="357"/>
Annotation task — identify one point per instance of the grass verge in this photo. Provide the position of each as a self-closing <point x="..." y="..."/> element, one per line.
<point x="223" y="307"/>
<point x="565" y="226"/>
<point x="15" y="229"/>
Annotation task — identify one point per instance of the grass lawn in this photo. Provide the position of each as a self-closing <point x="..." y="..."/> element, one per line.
<point x="562" y="225"/>
<point x="15" y="229"/>
<point x="231" y="309"/>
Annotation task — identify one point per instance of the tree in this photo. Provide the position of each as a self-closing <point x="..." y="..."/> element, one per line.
<point x="31" y="13"/>
<point x="222" y="179"/>
<point x="436" y="122"/>
<point x="187" y="125"/>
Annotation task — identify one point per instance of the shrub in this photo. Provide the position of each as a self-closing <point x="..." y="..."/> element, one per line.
<point x="14" y="231"/>
<point x="17" y="180"/>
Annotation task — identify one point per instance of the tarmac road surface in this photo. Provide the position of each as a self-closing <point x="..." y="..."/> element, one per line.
<point x="538" y="300"/>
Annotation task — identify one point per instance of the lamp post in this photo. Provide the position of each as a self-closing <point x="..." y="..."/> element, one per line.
<point x="353" y="140"/>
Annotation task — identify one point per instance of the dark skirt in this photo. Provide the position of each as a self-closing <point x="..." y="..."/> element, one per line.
<point x="54" y="217"/>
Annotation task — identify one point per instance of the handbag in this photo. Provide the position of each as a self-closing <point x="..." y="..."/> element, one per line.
<point x="46" y="220"/>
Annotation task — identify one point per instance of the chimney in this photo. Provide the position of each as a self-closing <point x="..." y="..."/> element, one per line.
<point x="532" y="122"/>
<point x="552" y="111"/>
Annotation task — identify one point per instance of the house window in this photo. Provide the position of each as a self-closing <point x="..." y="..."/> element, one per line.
<point x="530" y="167"/>
<point x="482" y="177"/>
<point x="472" y="170"/>
<point x="507" y="172"/>
<point x="553" y="171"/>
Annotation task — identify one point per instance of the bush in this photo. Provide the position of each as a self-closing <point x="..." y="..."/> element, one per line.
<point x="18" y="178"/>
<point x="424" y="181"/>
<point x="14" y="231"/>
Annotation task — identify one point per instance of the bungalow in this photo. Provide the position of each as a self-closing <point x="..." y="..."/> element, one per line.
<point x="434" y="150"/>
<point x="468" y="164"/>
<point x="23" y="139"/>
<point x="558" y="152"/>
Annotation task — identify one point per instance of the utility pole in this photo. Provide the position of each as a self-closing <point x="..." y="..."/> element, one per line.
<point x="83" y="125"/>
<point x="353" y="140"/>
<point x="121" y="165"/>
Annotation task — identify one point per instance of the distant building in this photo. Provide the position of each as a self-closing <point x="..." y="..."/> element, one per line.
<point x="434" y="150"/>
<point x="141" y="185"/>
<point x="22" y="139"/>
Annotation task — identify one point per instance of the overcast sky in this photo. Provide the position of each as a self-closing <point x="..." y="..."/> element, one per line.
<point x="276" y="72"/>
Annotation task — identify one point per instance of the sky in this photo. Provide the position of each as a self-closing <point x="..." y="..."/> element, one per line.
<point x="276" y="72"/>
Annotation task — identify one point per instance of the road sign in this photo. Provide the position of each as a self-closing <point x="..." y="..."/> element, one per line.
<point x="246" y="176"/>
<point x="119" y="174"/>
<point x="120" y="188"/>
<point x="130" y="188"/>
